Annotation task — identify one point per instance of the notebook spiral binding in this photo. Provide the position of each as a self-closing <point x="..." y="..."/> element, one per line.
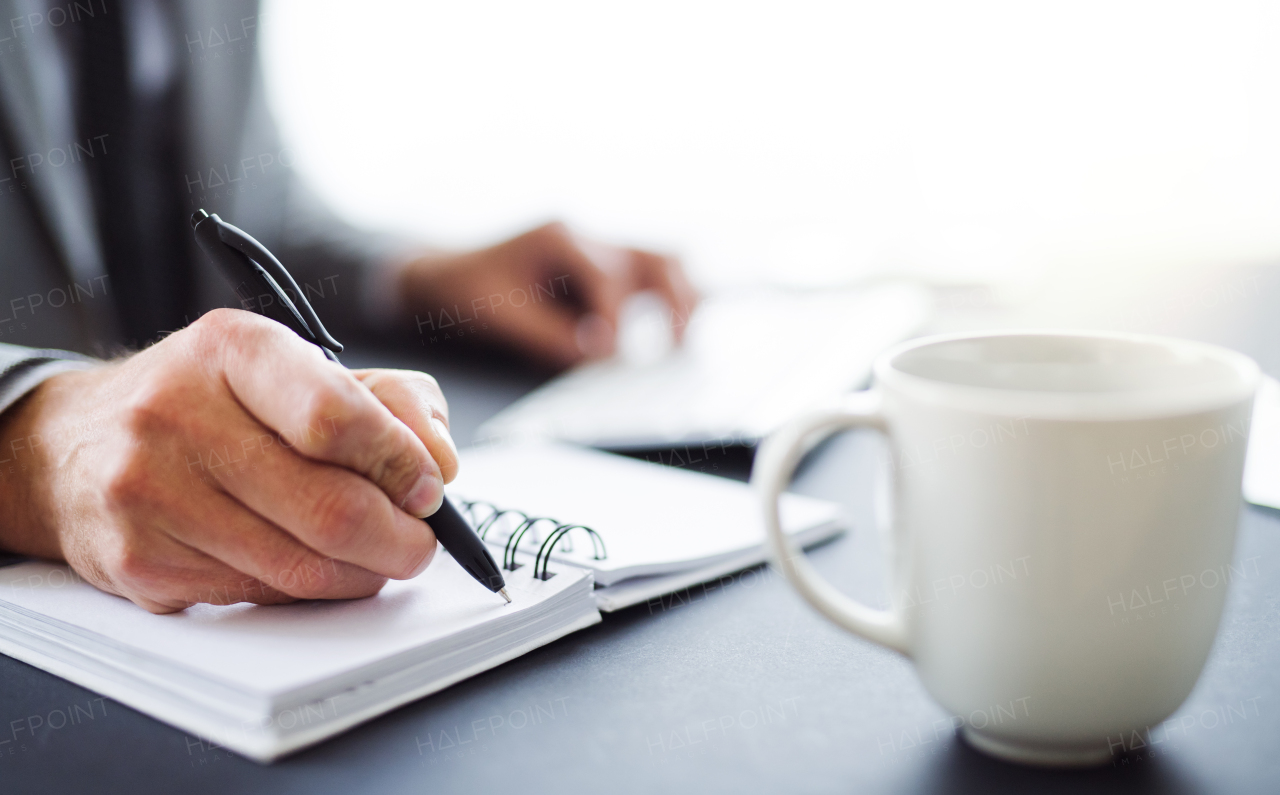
<point x="475" y="511"/>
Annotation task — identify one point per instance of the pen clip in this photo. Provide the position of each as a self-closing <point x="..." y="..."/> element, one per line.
<point x="280" y="279"/>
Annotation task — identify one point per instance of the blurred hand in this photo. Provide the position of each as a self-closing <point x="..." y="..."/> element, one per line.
<point x="231" y="462"/>
<point x="548" y="292"/>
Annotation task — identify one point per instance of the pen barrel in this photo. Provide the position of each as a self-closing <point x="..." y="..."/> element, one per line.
<point x="472" y="554"/>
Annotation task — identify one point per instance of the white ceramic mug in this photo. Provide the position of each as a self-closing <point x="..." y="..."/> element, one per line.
<point x="1060" y="503"/>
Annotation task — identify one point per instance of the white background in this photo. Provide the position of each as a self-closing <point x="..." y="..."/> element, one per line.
<point x="799" y="141"/>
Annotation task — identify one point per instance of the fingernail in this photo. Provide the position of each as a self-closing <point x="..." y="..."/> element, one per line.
<point x="426" y="495"/>
<point x="443" y="432"/>
<point x="425" y="561"/>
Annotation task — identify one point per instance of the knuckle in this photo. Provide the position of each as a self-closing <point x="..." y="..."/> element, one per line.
<point x="217" y="319"/>
<point x="428" y="382"/>
<point x="322" y="413"/>
<point x="338" y="518"/>
<point x="213" y="328"/>
<point x="129" y="484"/>
<point x="237" y="333"/>
<point x="403" y="459"/>
<point x="435" y="396"/>
<point x="419" y="388"/>
<point x="153" y="407"/>
<point x="553" y="233"/>
<point x="134" y="567"/>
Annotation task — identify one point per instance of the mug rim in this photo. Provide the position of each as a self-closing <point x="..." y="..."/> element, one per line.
<point x="1063" y="405"/>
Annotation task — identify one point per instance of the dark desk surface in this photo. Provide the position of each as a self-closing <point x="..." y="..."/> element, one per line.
<point x="737" y="688"/>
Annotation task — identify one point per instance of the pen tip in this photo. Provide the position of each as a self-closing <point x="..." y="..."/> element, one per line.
<point x="505" y="595"/>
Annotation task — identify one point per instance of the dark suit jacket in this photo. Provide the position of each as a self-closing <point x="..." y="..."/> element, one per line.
<point x="54" y="294"/>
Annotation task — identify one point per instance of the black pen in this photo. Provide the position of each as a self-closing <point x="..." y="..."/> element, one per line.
<point x="261" y="283"/>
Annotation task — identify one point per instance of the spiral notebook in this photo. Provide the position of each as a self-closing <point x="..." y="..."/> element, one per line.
<point x="265" y="681"/>
<point x="642" y="529"/>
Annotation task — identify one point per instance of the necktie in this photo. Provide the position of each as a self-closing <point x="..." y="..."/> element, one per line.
<point x="134" y="181"/>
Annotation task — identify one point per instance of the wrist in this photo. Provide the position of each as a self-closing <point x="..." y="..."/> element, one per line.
<point x="26" y="437"/>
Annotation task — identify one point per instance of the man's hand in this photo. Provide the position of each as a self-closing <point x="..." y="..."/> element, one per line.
<point x="549" y="292"/>
<point x="230" y="462"/>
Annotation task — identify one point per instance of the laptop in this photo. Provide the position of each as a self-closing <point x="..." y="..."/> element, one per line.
<point x="750" y="361"/>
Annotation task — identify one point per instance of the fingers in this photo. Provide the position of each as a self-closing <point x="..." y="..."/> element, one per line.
<point x="164" y="576"/>
<point x="416" y="400"/>
<point x="581" y="324"/>
<point x="335" y="512"/>
<point x="605" y="275"/>
<point x="288" y="386"/>
<point x="223" y="533"/>
<point x="599" y="272"/>
<point x="599" y="276"/>
<point x="271" y="560"/>
<point x="665" y="276"/>
<point x="548" y="331"/>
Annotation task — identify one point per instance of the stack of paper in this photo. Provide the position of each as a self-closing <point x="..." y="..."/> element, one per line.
<point x="267" y="680"/>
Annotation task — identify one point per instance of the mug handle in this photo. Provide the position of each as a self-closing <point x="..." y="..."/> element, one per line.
<point x="775" y="463"/>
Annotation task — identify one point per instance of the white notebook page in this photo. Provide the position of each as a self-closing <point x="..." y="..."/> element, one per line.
<point x="652" y="519"/>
